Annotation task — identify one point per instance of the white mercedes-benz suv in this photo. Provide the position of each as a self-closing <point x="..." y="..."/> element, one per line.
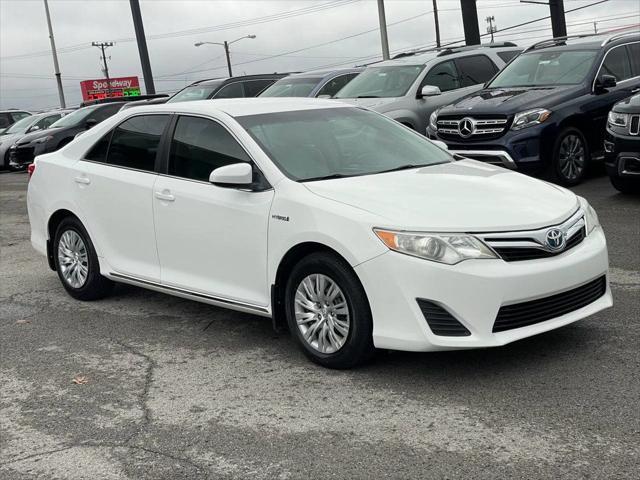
<point x="355" y="231"/>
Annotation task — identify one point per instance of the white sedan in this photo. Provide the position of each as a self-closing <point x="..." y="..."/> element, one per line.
<point x="351" y="229"/>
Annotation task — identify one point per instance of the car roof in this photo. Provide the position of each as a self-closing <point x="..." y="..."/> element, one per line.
<point x="422" y="57"/>
<point x="326" y="73"/>
<point x="216" y="81"/>
<point x="240" y="107"/>
<point x="584" y="42"/>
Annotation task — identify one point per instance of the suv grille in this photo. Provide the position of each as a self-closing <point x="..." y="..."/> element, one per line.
<point x="535" y="311"/>
<point x="441" y="322"/>
<point x="634" y="125"/>
<point x="456" y="128"/>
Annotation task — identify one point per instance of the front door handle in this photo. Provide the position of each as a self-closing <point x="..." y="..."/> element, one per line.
<point x="165" y="197"/>
<point x="82" y="180"/>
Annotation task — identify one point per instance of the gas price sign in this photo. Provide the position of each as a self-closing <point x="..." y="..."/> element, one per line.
<point x="116" y="87"/>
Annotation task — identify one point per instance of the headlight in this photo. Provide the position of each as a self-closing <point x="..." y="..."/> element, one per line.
<point x="433" y="119"/>
<point x="43" y="139"/>
<point x="590" y="216"/>
<point x="530" y="118"/>
<point x="449" y="248"/>
<point x="618" y="119"/>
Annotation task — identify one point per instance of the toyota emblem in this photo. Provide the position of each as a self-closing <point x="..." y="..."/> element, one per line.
<point x="466" y="127"/>
<point x="555" y="239"/>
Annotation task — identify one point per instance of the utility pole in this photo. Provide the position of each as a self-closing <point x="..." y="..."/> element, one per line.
<point x="142" y="47"/>
<point x="595" y="27"/>
<point x="226" y="52"/>
<point x="383" y="30"/>
<point x="56" y="67"/>
<point x="491" y="28"/>
<point x="470" y="22"/>
<point x="102" y="46"/>
<point x="435" y="18"/>
<point x="558" y="23"/>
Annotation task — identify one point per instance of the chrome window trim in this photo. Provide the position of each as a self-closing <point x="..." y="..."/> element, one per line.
<point x="593" y="84"/>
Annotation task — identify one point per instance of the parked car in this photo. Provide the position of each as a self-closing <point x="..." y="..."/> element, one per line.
<point x="233" y="87"/>
<point x="58" y="134"/>
<point x="319" y="83"/>
<point x="9" y="117"/>
<point x="350" y="228"/>
<point x="29" y="124"/>
<point x="412" y="85"/>
<point x="622" y="145"/>
<point x="547" y="110"/>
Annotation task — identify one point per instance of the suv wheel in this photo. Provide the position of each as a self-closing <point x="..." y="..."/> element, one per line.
<point x="77" y="263"/>
<point x="328" y="312"/>
<point x="625" y="185"/>
<point x="570" y="157"/>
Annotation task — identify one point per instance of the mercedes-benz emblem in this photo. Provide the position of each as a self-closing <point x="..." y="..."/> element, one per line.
<point x="466" y="127"/>
<point x="555" y="239"/>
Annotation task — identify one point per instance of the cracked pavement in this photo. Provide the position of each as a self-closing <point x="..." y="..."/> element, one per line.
<point x="178" y="389"/>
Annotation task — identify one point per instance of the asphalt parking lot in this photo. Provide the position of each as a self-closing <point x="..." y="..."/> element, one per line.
<point x="177" y="389"/>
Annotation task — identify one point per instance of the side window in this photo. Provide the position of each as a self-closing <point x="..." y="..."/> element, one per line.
<point x="634" y="55"/>
<point x="5" y="120"/>
<point x="476" y="69"/>
<point x="19" y="115"/>
<point x="47" y="121"/>
<point x="334" y="85"/>
<point x="233" y="90"/>
<point x="444" y="76"/>
<point x="617" y="64"/>
<point x="135" y="142"/>
<point x="508" y="55"/>
<point x="253" y="88"/>
<point x="199" y="146"/>
<point x="98" y="152"/>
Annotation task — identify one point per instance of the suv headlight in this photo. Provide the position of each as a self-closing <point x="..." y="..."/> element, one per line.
<point x="590" y="216"/>
<point x="618" y="119"/>
<point x="433" y="119"/>
<point x="449" y="248"/>
<point x="530" y="118"/>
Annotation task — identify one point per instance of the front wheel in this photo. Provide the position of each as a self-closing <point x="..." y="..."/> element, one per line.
<point x="570" y="158"/>
<point x="625" y="185"/>
<point x="328" y="312"/>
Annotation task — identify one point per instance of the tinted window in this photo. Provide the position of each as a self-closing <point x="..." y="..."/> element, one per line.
<point x="507" y="56"/>
<point x="444" y="75"/>
<point x="199" y="146"/>
<point x="233" y="90"/>
<point x="5" y="120"/>
<point x="195" y="92"/>
<point x="105" y="112"/>
<point x="135" y="142"/>
<point x="334" y="85"/>
<point x="47" y="121"/>
<point x="253" y="88"/>
<point x="99" y="151"/>
<point x="476" y="69"/>
<point x="634" y="55"/>
<point x="617" y="64"/>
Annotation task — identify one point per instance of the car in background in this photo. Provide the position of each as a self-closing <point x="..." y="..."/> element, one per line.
<point x="546" y="112"/>
<point x="59" y="133"/>
<point x="9" y="117"/>
<point x="232" y="87"/>
<point x="319" y="83"/>
<point x="29" y="124"/>
<point x="412" y="85"/>
<point x="622" y="145"/>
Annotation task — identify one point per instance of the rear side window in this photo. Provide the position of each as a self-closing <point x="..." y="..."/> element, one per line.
<point x="634" y="55"/>
<point x="199" y="146"/>
<point x="476" y="69"/>
<point x="233" y="90"/>
<point x="334" y="85"/>
<point x="5" y="120"/>
<point x="253" y="88"/>
<point x="617" y="63"/>
<point x="507" y="56"/>
<point x="444" y="76"/>
<point x="135" y="142"/>
<point x="47" y="121"/>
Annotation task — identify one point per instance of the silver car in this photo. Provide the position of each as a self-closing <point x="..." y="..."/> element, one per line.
<point x="412" y="85"/>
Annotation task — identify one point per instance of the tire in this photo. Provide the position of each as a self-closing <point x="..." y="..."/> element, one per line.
<point x="625" y="185"/>
<point x="571" y="158"/>
<point x="72" y="238"/>
<point x="355" y="346"/>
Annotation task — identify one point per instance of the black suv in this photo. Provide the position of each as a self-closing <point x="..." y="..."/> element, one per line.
<point x="622" y="145"/>
<point x="547" y="109"/>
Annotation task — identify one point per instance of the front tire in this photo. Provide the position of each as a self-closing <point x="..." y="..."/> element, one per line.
<point x="625" y="185"/>
<point x="571" y="157"/>
<point x="328" y="312"/>
<point x="77" y="263"/>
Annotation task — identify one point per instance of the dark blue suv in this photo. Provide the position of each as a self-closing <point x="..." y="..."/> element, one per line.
<point x="547" y="109"/>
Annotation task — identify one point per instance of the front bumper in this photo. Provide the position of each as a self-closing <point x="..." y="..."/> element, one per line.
<point x="473" y="292"/>
<point x="21" y="156"/>
<point x="622" y="155"/>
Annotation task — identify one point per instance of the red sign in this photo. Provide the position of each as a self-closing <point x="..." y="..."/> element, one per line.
<point x="120" y="87"/>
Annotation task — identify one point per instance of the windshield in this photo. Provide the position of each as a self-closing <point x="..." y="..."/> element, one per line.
<point x="195" y="92"/>
<point x="75" y="118"/>
<point x="566" y="67"/>
<point x="292" y="87"/>
<point x="373" y="82"/>
<point x="21" y="125"/>
<point x="339" y="142"/>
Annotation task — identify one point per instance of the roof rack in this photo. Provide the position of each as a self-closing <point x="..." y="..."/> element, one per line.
<point x="617" y="36"/>
<point x="550" y="42"/>
<point x="449" y="50"/>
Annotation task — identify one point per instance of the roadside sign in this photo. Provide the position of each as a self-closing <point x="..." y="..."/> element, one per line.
<point x="120" y="87"/>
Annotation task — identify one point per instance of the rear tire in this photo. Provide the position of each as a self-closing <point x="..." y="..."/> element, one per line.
<point x="77" y="263"/>
<point x="328" y="312"/>
<point x="571" y="157"/>
<point x="625" y="185"/>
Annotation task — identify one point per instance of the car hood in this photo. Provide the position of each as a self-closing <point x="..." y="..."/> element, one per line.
<point x="629" y="105"/>
<point x="380" y="105"/>
<point x="30" y="137"/>
<point x="510" y="100"/>
<point x="466" y="196"/>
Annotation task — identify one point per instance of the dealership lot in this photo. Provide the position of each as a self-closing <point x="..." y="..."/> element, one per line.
<point x="178" y="389"/>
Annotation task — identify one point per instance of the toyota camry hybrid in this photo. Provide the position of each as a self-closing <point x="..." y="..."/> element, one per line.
<point x="351" y="229"/>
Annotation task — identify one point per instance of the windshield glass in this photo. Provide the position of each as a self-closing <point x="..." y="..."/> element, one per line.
<point x="566" y="67"/>
<point x="75" y="118"/>
<point x="339" y="142"/>
<point x="291" y="87"/>
<point x="21" y="125"/>
<point x="195" y="92"/>
<point x="373" y="82"/>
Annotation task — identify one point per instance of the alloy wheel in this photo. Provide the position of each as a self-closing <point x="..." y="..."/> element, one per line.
<point x="571" y="157"/>
<point x="73" y="259"/>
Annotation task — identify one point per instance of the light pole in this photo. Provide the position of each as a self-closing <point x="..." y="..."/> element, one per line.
<point x="226" y="44"/>
<point x="56" y="68"/>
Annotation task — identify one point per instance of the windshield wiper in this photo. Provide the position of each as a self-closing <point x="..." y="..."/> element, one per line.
<point x="408" y="166"/>
<point x="367" y="96"/>
<point x="326" y="177"/>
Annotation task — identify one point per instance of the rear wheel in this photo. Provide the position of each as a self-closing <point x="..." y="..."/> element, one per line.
<point x="570" y="158"/>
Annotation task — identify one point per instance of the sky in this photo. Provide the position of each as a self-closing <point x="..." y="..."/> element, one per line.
<point x="291" y="35"/>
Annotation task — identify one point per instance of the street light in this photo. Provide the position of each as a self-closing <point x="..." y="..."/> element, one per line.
<point x="226" y="44"/>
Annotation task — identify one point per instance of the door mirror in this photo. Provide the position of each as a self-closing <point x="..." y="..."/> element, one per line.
<point x="35" y="128"/>
<point x="440" y="144"/>
<point x="237" y="175"/>
<point x="605" y="81"/>
<point x="430" y="91"/>
<point x="91" y="122"/>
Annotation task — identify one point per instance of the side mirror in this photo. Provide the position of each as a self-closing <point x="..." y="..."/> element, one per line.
<point x="606" y="81"/>
<point x="430" y="91"/>
<point x="91" y="122"/>
<point x="35" y="128"/>
<point x="440" y="144"/>
<point x="237" y="175"/>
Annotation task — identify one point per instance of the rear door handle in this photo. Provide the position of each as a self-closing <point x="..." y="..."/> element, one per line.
<point x="165" y="197"/>
<point x="82" y="180"/>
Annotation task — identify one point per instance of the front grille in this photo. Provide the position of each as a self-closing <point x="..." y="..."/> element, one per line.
<point x="453" y="128"/>
<point x="535" y="311"/>
<point x="441" y="322"/>
<point x="634" y="125"/>
<point x="515" y="254"/>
